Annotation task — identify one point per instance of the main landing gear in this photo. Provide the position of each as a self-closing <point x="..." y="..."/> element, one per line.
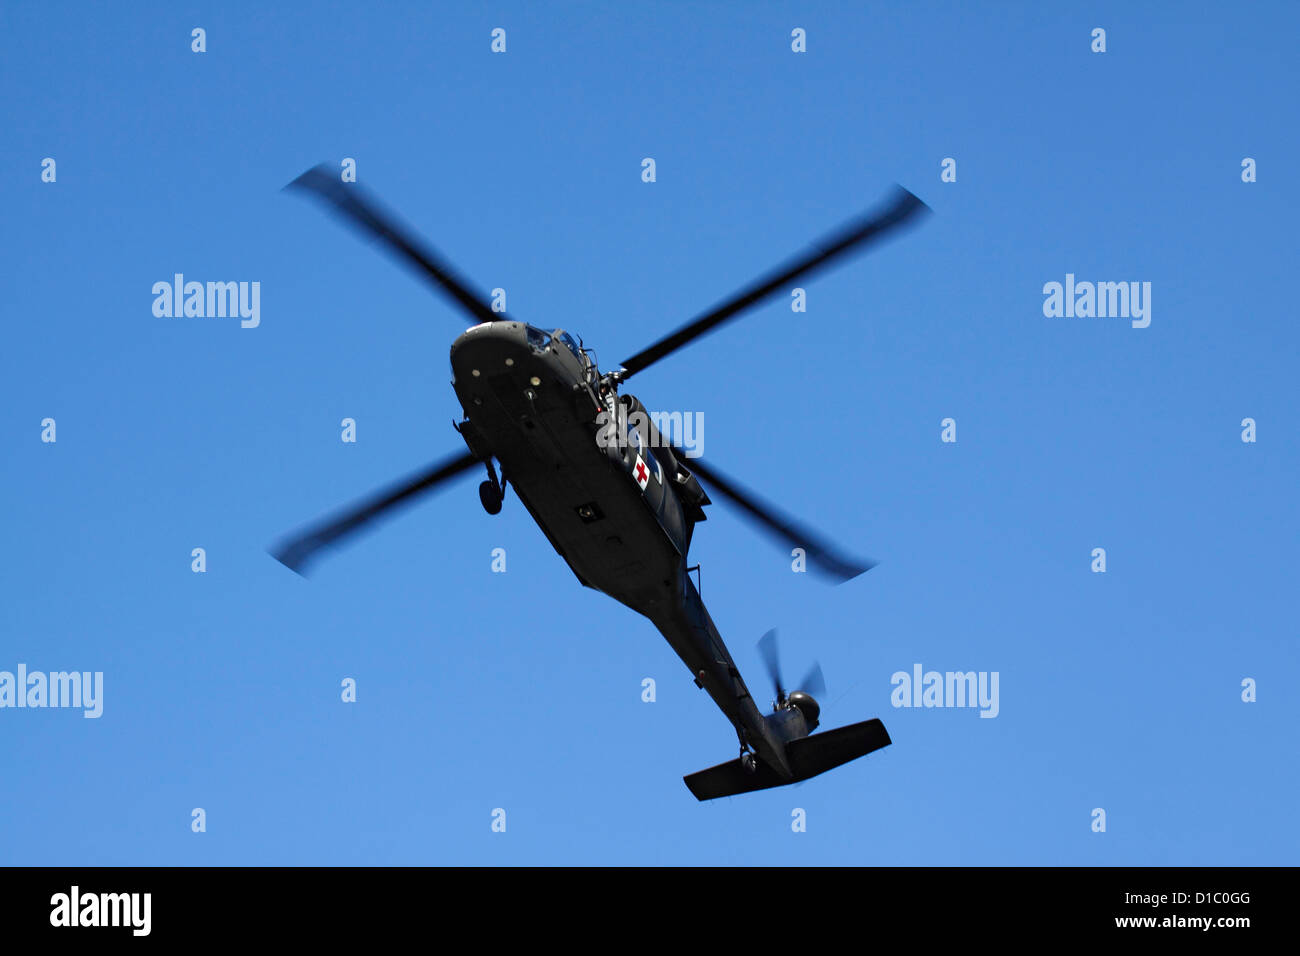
<point x="747" y="758"/>
<point x="492" y="492"/>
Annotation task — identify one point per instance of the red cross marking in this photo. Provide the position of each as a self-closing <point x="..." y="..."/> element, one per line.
<point x="641" y="475"/>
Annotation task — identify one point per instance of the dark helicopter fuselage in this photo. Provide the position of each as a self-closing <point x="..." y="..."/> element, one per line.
<point x="614" y="499"/>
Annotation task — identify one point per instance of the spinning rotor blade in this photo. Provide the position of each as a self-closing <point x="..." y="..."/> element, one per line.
<point x="771" y="657"/>
<point x="782" y="527"/>
<point x="813" y="683"/>
<point x="903" y="206"/>
<point x="351" y="202"/>
<point x="296" y="553"/>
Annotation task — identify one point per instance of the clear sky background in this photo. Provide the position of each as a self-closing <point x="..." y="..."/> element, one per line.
<point x="523" y="690"/>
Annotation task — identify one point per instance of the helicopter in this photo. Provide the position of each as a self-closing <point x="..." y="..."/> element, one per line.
<point x="617" y="500"/>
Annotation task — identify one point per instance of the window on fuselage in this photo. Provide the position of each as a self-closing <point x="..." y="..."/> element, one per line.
<point x="567" y="340"/>
<point x="537" y="338"/>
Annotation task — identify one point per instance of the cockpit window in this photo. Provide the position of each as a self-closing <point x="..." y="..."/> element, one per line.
<point x="567" y="340"/>
<point x="537" y="338"/>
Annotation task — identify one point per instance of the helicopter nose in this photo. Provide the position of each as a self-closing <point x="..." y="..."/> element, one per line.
<point x="489" y="349"/>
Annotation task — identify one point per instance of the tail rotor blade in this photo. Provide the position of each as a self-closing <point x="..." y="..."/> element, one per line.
<point x="767" y="647"/>
<point x="814" y="684"/>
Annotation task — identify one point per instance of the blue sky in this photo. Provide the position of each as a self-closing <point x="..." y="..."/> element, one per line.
<point x="522" y="690"/>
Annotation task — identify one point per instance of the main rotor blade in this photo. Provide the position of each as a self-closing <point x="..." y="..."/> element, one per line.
<point x="782" y="527"/>
<point x="298" y="551"/>
<point x="351" y="202"/>
<point x="767" y="647"/>
<point x="813" y="682"/>
<point x="902" y="207"/>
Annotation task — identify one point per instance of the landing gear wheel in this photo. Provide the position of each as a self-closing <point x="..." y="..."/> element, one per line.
<point x="489" y="494"/>
<point x="748" y="761"/>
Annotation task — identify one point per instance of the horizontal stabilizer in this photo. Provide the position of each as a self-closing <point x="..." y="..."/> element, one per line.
<point x="808" y="756"/>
